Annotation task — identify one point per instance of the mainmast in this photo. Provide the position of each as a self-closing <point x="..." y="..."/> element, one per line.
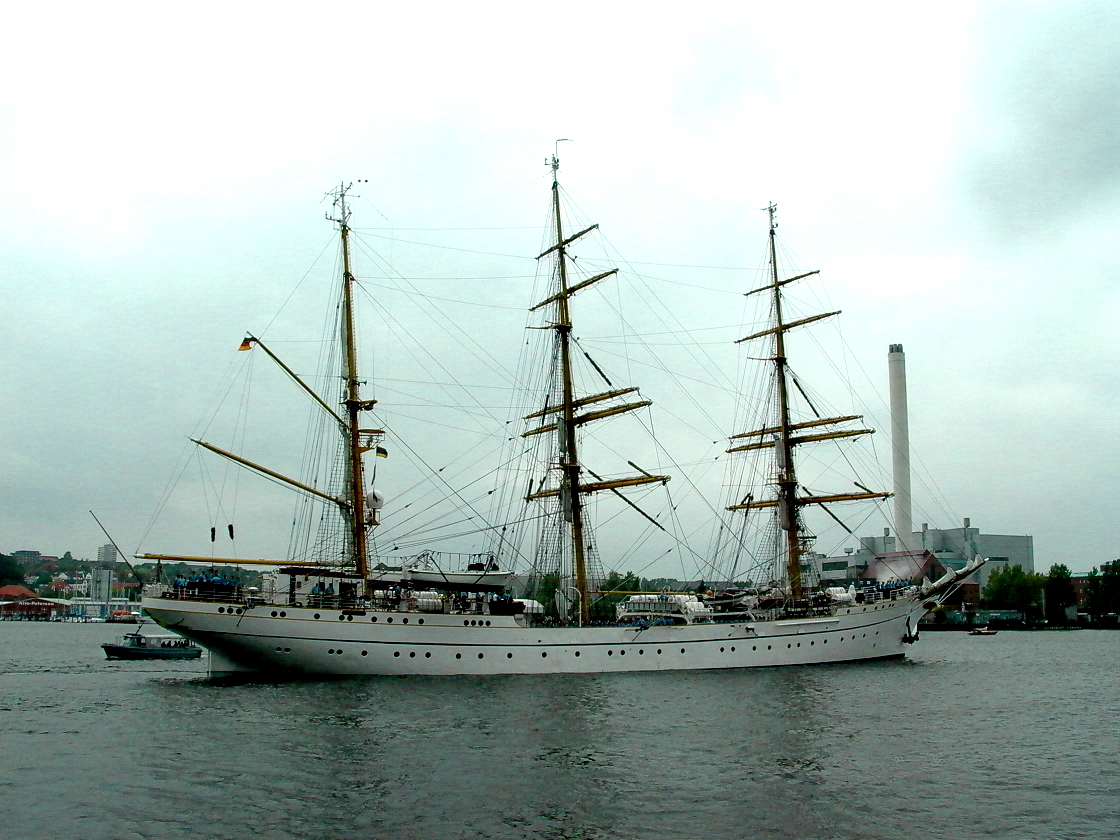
<point x="569" y="453"/>
<point x="781" y="438"/>
<point x="571" y="487"/>
<point x="354" y="404"/>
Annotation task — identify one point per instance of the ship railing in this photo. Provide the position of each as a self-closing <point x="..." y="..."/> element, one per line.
<point x="214" y="593"/>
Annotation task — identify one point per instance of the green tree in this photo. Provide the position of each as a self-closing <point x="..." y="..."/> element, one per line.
<point x="1103" y="589"/>
<point x="11" y="570"/>
<point x="67" y="563"/>
<point x="1059" y="593"/>
<point x="1011" y="588"/>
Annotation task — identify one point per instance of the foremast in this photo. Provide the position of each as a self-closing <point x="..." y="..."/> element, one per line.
<point x="788" y="500"/>
<point x="355" y="484"/>
<point x="572" y="488"/>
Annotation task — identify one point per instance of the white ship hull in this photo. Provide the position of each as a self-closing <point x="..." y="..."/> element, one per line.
<point x="308" y="641"/>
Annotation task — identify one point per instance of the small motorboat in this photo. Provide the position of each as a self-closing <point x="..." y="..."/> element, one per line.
<point x="982" y="631"/>
<point x="136" y="645"/>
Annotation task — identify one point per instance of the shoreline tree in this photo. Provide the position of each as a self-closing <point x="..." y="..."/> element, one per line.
<point x="1011" y="588"/>
<point x="1059" y="594"/>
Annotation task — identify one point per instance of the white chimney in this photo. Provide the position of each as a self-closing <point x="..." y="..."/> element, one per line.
<point x="900" y="444"/>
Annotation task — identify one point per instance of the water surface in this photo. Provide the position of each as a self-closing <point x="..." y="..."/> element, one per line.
<point x="1009" y="736"/>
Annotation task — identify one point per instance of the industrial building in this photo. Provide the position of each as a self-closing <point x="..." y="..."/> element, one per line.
<point x="948" y="548"/>
<point x="930" y="551"/>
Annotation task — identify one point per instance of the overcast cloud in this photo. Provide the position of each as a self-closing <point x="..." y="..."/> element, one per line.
<point x="954" y="170"/>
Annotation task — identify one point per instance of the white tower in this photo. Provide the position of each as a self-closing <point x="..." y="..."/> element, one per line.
<point x="900" y="447"/>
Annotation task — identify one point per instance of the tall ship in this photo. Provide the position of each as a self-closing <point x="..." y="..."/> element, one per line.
<point x="355" y="610"/>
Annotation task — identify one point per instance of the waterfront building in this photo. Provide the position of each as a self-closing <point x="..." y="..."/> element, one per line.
<point x="20" y="603"/>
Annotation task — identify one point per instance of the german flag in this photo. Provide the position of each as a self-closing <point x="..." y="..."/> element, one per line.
<point x="247" y="344"/>
<point x="381" y="452"/>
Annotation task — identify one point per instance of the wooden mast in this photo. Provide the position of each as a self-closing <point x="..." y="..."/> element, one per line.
<point x="788" y="517"/>
<point x="354" y="405"/>
<point x="570" y="498"/>
<point x="568" y="414"/>
<point x="781" y="437"/>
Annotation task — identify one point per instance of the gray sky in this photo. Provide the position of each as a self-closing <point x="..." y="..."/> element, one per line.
<point x="953" y="171"/>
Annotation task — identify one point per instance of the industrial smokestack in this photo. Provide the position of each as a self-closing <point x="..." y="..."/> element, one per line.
<point x="900" y="445"/>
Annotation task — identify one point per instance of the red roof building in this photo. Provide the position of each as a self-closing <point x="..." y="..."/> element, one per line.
<point x="15" y="592"/>
<point x="31" y="608"/>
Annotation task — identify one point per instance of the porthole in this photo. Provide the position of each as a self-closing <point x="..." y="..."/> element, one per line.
<point x="768" y="647"/>
<point x="365" y="653"/>
<point x="721" y="650"/>
<point x="754" y="647"/>
<point x="799" y="644"/>
<point x="339" y="652"/>
<point x="458" y="656"/>
<point x="610" y="653"/>
<point x="622" y="653"/>
<point x="509" y="656"/>
<point x="487" y="623"/>
<point x="480" y="656"/>
<point x="279" y="649"/>
<point x="389" y="620"/>
<point x="221" y="609"/>
<point x="316" y="615"/>
<point x="641" y="652"/>
<point x="396" y="653"/>
<point x="659" y="651"/>
<point x="419" y="621"/>
<point x="577" y="653"/>
<point x="824" y="641"/>
<point x="732" y="648"/>
<point x="274" y="613"/>
<point x="682" y="650"/>
<point x="789" y="646"/>
<point x="349" y="618"/>
<point x="373" y="618"/>
<point x="331" y="650"/>
<point x="283" y="614"/>
<point x="876" y="632"/>
<point x="412" y="654"/>
<point x="239" y="610"/>
<point x="544" y="654"/>
<point x="465" y="623"/>
<point x="473" y="622"/>
<point x="811" y="644"/>
<point x="341" y="617"/>
<point x="427" y="654"/>
<point x="404" y="621"/>
<point x="287" y="650"/>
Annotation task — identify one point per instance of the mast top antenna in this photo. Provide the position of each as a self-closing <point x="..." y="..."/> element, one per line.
<point x="555" y="163"/>
<point x="339" y="194"/>
<point x="772" y="209"/>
